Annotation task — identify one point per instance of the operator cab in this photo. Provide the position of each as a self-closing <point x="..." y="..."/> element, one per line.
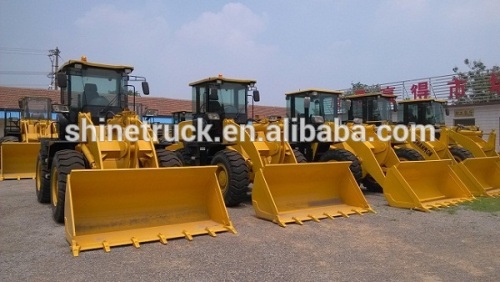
<point x="315" y="105"/>
<point x="371" y="108"/>
<point x="218" y="98"/>
<point x="98" y="89"/>
<point x="423" y="111"/>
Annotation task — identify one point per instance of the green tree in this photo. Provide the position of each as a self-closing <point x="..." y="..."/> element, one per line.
<point x="361" y="86"/>
<point x="131" y="93"/>
<point x="478" y="80"/>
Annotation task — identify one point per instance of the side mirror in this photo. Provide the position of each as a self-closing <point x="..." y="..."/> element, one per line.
<point x="307" y="102"/>
<point x="256" y="96"/>
<point x="62" y="80"/>
<point x="394" y="106"/>
<point x="347" y="104"/>
<point x="447" y="111"/>
<point x="145" y="88"/>
<point x="213" y="94"/>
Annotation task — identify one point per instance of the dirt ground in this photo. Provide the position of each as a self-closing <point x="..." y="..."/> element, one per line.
<point x="391" y="245"/>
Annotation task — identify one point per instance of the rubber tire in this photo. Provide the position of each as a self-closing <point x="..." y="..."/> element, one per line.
<point x="460" y="154"/>
<point x="237" y="176"/>
<point x="184" y="156"/>
<point x="9" y="139"/>
<point x="64" y="161"/>
<point x="42" y="184"/>
<point x="371" y="185"/>
<point x="408" y="154"/>
<point x="341" y="155"/>
<point x="299" y="156"/>
<point x="168" y="158"/>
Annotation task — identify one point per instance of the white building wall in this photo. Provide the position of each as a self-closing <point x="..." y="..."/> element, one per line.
<point x="487" y="117"/>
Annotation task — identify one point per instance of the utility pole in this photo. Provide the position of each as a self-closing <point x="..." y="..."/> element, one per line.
<point x="54" y="53"/>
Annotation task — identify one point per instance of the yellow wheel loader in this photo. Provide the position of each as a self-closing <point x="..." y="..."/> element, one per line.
<point x="406" y="180"/>
<point x="480" y="173"/>
<point x="284" y="190"/>
<point x="23" y="129"/>
<point x="104" y="177"/>
<point x="314" y="108"/>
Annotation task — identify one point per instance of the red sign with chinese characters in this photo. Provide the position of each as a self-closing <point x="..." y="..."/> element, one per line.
<point x="420" y="90"/>
<point x="457" y="88"/>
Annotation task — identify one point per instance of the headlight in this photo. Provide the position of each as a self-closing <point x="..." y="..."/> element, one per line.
<point x="317" y="120"/>
<point x="213" y="116"/>
<point x="58" y="108"/>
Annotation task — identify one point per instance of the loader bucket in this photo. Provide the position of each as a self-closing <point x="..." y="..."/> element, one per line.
<point x="18" y="160"/>
<point x="481" y="175"/>
<point x="285" y="193"/>
<point x="105" y="208"/>
<point x="424" y="185"/>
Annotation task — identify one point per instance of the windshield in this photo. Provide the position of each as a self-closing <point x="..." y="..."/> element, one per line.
<point x="230" y="100"/>
<point x="324" y="105"/>
<point x="379" y="109"/>
<point x="438" y="111"/>
<point x="96" y="87"/>
<point x="430" y="112"/>
<point x="36" y="108"/>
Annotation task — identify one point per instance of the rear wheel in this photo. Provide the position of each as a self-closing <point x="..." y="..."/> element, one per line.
<point x="9" y="139"/>
<point x="371" y="185"/>
<point x="340" y="155"/>
<point x="64" y="161"/>
<point x="42" y="181"/>
<point x="299" y="156"/>
<point x="232" y="174"/>
<point x="168" y="158"/>
<point x="407" y="154"/>
<point x="184" y="156"/>
<point x="460" y="154"/>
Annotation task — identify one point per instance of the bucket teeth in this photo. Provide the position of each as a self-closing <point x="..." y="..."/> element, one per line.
<point x="230" y="228"/>
<point x="210" y="232"/>
<point x="328" y="215"/>
<point x="163" y="239"/>
<point x="135" y="242"/>
<point x="75" y="249"/>
<point x="298" y="221"/>
<point x="106" y="247"/>
<point x="358" y="212"/>
<point x="187" y="235"/>
<point x="343" y="214"/>
<point x="313" y="218"/>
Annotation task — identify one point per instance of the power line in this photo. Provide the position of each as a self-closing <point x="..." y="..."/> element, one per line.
<point x="23" y="73"/>
<point x="26" y="51"/>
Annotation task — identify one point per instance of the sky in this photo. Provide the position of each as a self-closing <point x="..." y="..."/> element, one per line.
<point x="285" y="45"/>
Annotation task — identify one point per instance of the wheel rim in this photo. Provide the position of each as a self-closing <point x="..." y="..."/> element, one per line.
<point x="222" y="177"/>
<point x="54" y="187"/>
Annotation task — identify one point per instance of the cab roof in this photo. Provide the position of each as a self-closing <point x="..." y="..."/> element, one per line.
<point x="215" y="79"/>
<point x="375" y="94"/>
<point x="72" y="63"/>
<point x="318" y="90"/>
<point x="414" y="101"/>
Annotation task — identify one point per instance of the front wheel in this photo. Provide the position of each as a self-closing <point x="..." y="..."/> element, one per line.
<point x="232" y="174"/>
<point x="340" y="155"/>
<point x="460" y="154"/>
<point x="42" y="181"/>
<point x="168" y="158"/>
<point x="64" y="161"/>
<point x="408" y="154"/>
